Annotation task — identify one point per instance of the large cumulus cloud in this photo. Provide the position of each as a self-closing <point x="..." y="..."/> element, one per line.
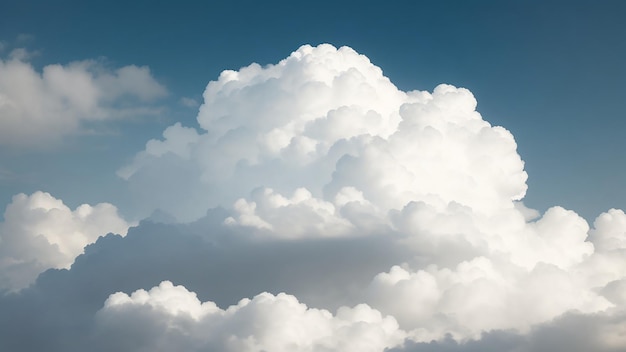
<point x="314" y="186"/>
<point x="39" y="108"/>
<point x="324" y="119"/>
<point x="322" y="144"/>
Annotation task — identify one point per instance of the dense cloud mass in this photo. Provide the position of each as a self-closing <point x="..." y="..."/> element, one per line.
<point x="327" y="121"/>
<point x="323" y="209"/>
<point x="39" y="108"/>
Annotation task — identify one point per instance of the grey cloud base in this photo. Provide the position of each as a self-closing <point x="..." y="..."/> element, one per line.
<point x="219" y="267"/>
<point x="571" y="332"/>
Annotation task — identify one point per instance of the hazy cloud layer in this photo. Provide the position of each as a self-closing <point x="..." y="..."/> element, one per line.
<point x="320" y="187"/>
<point x="572" y="332"/>
<point x="39" y="108"/>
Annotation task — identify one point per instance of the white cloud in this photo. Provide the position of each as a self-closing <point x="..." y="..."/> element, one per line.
<point x="39" y="232"/>
<point x="480" y="295"/>
<point x="170" y="317"/>
<point x="478" y="273"/>
<point x="322" y="144"/>
<point x="325" y="119"/>
<point x="610" y="231"/>
<point x="325" y="170"/>
<point x="39" y="108"/>
<point x="299" y="216"/>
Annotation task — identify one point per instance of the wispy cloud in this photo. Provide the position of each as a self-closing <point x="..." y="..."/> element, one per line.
<point x="40" y="108"/>
<point x="189" y="102"/>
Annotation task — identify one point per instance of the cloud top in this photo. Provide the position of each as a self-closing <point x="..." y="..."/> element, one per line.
<point x="325" y="120"/>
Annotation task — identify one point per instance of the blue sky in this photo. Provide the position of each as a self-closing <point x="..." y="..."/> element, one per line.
<point x="550" y="72"/>
<point x="282" y="176"/>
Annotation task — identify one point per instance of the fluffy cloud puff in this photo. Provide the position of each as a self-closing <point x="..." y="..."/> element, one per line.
<point x="326" y="119"/>
<point x="514" y="274"/>
<point x="170" y="317"/>
<point x="39" y="232"/>
<point x="38" y="108"/>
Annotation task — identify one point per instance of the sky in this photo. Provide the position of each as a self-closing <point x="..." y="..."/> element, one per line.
<point x="244" y="176"/>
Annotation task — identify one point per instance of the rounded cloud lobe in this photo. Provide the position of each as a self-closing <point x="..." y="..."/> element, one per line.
<point x="322" y="150"/>
<point x="39" y="232"/>
<point x="172" y="318"/>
